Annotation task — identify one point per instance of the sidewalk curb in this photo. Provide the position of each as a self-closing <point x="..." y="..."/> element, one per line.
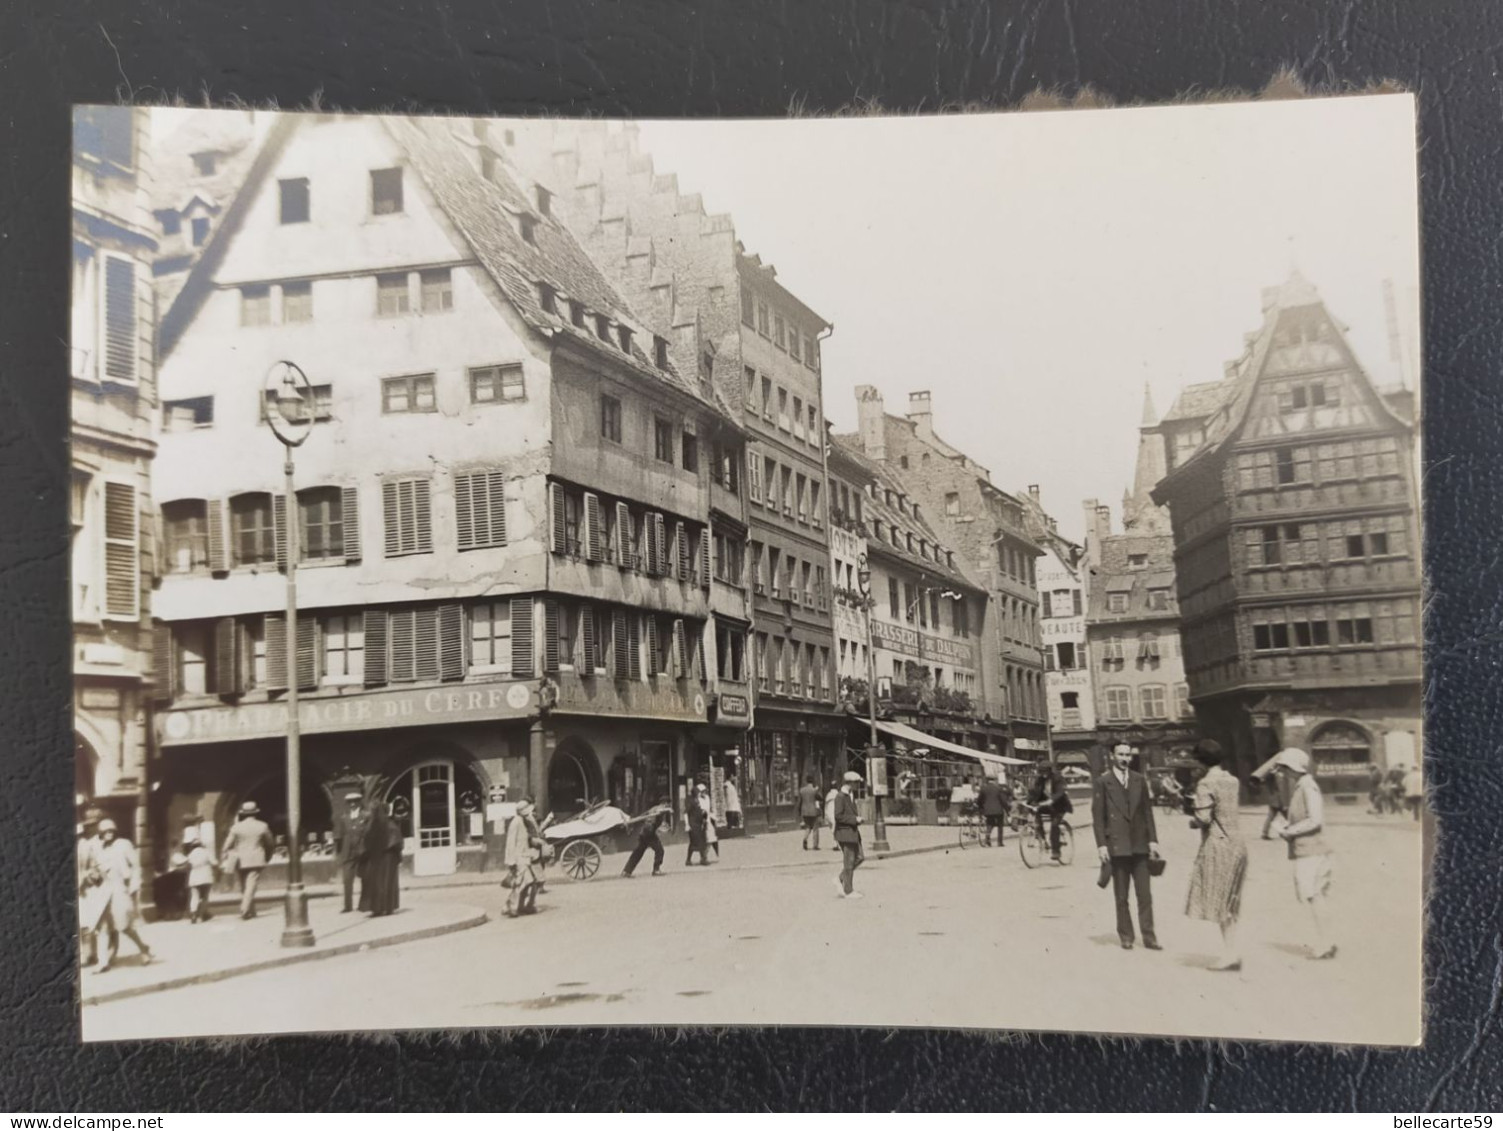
<point x="289" y="958"/>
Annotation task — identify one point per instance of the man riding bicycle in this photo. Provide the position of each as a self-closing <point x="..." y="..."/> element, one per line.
<point x="1048" y="798"/>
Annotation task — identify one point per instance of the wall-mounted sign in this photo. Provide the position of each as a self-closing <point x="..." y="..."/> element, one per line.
<point x="922" y="646"/>
<point x="370" y="711"/>
<point x="733" y="706"/>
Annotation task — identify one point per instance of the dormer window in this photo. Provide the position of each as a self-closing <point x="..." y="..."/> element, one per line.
<point x="200" y="230"/>
<point x="527" y="224"/>
<point x="623" y="335"/>
<point x="660" y="352"/>
<point x="547" y="298"/>
<point x="172" y="223"/>
<point x="602" y="327"/>
<point x="576" y="313"/>
<point x="1137" y="561"/>
<point x="204" y="164"/>
<point x="544" y="200"/>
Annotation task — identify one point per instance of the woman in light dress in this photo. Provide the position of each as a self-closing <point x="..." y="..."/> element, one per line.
<point x="110" y="902"/>
<point x="1221" y="864"/>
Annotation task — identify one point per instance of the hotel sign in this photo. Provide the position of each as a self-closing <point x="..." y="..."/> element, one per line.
<point x="376" y="710"/>
<point x="922" y="646"/>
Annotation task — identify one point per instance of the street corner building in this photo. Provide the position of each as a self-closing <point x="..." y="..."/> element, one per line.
<point x="520" y="512"/>
<point x="1291" y="483"/>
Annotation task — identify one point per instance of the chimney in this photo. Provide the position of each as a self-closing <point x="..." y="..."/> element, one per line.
<point x="1033" y="491"/>
<point x="871" y="418"/>
<point x="920" y="411"/>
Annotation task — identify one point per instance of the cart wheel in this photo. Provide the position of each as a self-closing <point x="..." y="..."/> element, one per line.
<point x="580" y="859"/>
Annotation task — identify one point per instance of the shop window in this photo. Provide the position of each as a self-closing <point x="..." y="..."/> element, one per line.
<point x="1340" y="746"/>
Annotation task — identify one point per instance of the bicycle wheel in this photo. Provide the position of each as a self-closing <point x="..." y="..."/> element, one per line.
<point x="1030" y="848"/>
<point x="969" y="833"/>
<point x="1066" y="844"/>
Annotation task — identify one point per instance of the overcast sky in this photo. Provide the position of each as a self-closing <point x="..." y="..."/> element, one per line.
<point x="1033" y="271"/>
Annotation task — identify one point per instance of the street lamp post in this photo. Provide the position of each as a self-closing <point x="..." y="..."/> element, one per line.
<point x="289" y="412"/>
<point x="864" y="578"/>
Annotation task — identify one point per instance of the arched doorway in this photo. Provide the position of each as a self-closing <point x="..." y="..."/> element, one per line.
<point x="433" y="804"/>
<point x="85" y="765"/>
<point x="1341" y="747"/>
<point x="573" y="778"/>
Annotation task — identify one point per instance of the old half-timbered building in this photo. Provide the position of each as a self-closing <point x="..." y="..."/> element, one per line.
<point x="1291" y="486"/>
<point x="506" y="567"/>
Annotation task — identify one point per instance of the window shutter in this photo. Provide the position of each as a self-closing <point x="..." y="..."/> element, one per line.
<point x="422" y="496"/>
<point x="463" y="510"/>
<point x="403" y="663"/>
<point x="219" y="557"/>
<point x="620" y="648"/>
<point x="654" y="646"/>
<point x="495" y="498"/>
<point x="660" y="524"/>
<point x="122" y="552"/>
<point x="624" y="535"/>
<point x="587" y="632"/>
<point x="279" y="529"/>
<point x="557" y="542"/>
<point x="650" y="543"/>
<point x="633" y="646"/>
<point x="1076" y="595"/>
<point x="226" y="658"/>
<point x="349" y="518"/>
<point x="163" y="668"/>
<point x="594" y="549"/>
<point x="375" y="647"/>
<point x="276" y="652"/>
<point x="704" y="558"/>
<point x="425" y="637"/>
<point x="450" y="643"/>
<point x="550" y="636"/>
<point x="307" y="653"/>
<point x="522" y="661"/>
<point x="681" y="552"/>
<point x="680" y="652"/>
<point x="697" y="648"/>
<point x="121" y="339"/>
<point x="391" y="515"/>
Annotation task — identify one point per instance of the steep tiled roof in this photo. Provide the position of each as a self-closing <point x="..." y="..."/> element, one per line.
<point x="485" y="211"/>
<point x="1196" y="402"/>
<point x="1113" y="574"/>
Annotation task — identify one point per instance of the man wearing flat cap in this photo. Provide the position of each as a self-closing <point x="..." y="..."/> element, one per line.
<point x="248" y="847"/>
<point x="1126" y="839"/>
<point x="349" y="844"/>
<point x="847" y="822"/>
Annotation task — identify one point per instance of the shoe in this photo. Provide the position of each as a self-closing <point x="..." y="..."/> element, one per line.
<point x="855" y="895"/>
<point x="346" y="910"/>
<point x="1226" y="967"/>
<point x="657" y="871"/>
<point x="627" y="876"/>
<point x="147" y="958"/>
<point x="1329" y="952"/>
<point x="105" y="969"/>
<point x="1126" y="944"/>
<point x="1151" y="945"/>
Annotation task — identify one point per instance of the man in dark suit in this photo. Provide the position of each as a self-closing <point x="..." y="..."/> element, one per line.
<point x="349" y="844"/>
<point x="1126" y="838"/>
<point x="994" y="800"/>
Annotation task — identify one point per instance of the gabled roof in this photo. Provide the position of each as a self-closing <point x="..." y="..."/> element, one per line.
<point x="1196" y="402"/>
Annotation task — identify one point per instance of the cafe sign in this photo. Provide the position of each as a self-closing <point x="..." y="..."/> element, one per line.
<point x="922" y="646"/>
<point x="376" y="710"/>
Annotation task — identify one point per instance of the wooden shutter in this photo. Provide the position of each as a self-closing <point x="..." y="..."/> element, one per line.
<point x="122" y="552"/>
<point x="704" y="558"/>
<point x="120" y="344"/>
<point x="276" y="652"/>
<point x="624" y="535"/>
<point x="375" y="647"/>
<point x="279" y="529"/>
<point x="654" y="646"/>
<point x="450" y="642"/>
<point x="391" y="514"/>
<point x="425" y="640"/>
<point x="550" y="636"/>
<point x="633" y="646"/>
<point x="522" y="661"/>
<point x="660" y="524"/>
<point x="649" y="543"/>
<point x="422" y="498"/>
<point x="495" y="507"/>
<point x="557" y="542"/>
<point x="307" y="653"/>
<point x="164" y="671"/>
<point x="593" y="529"/>
<point x="218" y="528"/>
<point x="464" y="510"/>
<point x="587" y="634"/>
<point x="403" y="661"/>
<point x="407" y="506"/>
<point x="679" y="659"/>
<point x="226" y="658"/>
<point x="349" y="517"/>
<point x="621" y="650"/>
<point x="682" y="553"/>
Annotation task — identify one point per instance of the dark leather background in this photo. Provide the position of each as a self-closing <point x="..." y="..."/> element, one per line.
<point x="747" y="57"/>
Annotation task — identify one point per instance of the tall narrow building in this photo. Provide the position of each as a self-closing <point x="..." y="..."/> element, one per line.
<point x="112" y="359"/>
<point x="1295" y="524"/>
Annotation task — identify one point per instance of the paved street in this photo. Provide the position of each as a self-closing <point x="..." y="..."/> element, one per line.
<point x="962" y="939"/>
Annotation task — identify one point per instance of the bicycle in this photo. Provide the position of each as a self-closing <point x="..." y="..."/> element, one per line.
<point x="1033" y="840"/>
<point x="969" y="826"/>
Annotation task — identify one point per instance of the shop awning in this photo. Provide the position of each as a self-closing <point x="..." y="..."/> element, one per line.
<point x="919" y="738"/>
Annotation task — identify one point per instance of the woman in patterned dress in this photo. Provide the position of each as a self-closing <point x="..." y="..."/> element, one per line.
<point x="1221" y="865"/>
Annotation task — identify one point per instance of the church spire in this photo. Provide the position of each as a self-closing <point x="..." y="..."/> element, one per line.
<point x="1139" y="513"/>
<point x="1150" y="414"/>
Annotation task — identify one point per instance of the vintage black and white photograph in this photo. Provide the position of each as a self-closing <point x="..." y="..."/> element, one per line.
<point x="948" y="571"/>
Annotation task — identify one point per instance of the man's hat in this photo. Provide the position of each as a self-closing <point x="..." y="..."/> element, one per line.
<point x="107" y="826"/>
<point x="249" y="809"/>
<point x="354" y="796"/>
<point x="852" y="776"/>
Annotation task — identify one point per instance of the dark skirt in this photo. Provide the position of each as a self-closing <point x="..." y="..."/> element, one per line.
<point x="380" y="893"/>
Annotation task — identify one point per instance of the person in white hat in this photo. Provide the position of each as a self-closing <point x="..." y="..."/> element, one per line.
<point x="848" y="835"/>
<point x="1307" y="846"/>
<point x="247" y="848"/>
<point x="349" y="845"/>
<point x="117" y="906"/>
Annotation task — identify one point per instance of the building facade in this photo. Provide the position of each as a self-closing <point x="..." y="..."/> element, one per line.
<point x="113" y="400"/>
<point x="508" y="565"/>
<point x="759" y="344"/>
<point x="987" y="529"/>
<point x="1292" y="489"/>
